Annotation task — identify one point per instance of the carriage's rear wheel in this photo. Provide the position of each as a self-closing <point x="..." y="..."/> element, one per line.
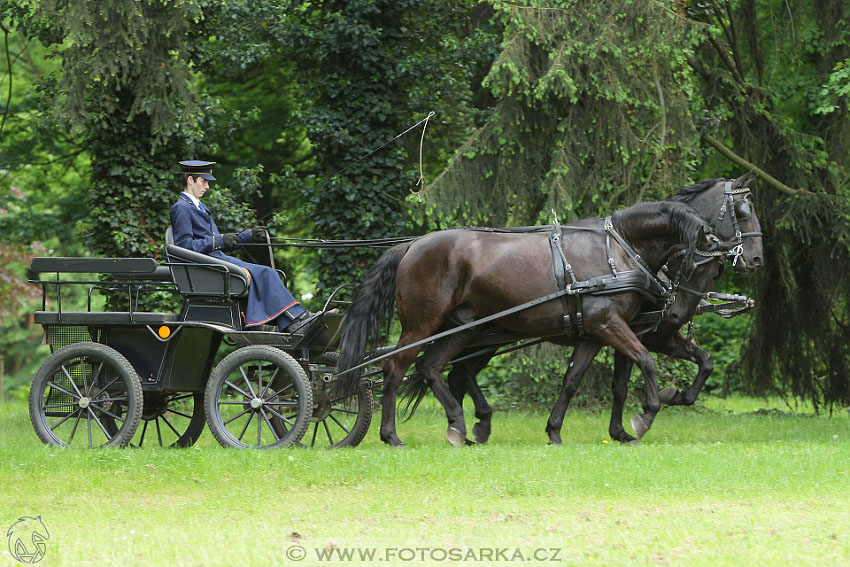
<point x="86" y="394"/>
<point x="168" y="420"/>
<point x="337" y="421"/>
<point x="258" y="396"/>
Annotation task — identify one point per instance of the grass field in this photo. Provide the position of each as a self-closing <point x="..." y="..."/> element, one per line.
<point x="723" y="485"/>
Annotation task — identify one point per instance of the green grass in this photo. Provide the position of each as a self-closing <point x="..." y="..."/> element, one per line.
<point x="725" y="486"/>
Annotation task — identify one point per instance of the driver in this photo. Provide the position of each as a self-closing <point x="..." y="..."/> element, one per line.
<point x="193" y="227"/>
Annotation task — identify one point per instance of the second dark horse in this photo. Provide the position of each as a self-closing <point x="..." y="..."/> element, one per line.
<point x="460" y="275"/>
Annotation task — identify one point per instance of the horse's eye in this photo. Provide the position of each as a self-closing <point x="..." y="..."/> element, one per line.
<point x="743" y="210"/>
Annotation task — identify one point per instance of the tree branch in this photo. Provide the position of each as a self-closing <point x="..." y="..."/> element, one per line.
<point x="735" y="158"/>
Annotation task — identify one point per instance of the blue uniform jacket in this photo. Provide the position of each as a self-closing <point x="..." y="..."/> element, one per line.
<point x="268" y="298"/>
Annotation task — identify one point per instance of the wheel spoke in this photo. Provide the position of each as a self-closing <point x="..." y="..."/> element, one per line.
<point x="95" y="376"/>
<point x="247" y="382"/>
<point x="338" y="423"/>
<point x="244" y="429"/>
<point x="281" y="391"/>
<point x="238" y="389"/>
<point x="63" y="420"/>
<point x="269" y="424"/>
<point x="144" y="430"/>
<point x="168" y="423"/>
<point x="180" y="397"/>
<point x="109" y="413"/>
<point x="315" y="431"/>
<point x="279" y="416"/>
<point x="270" y="382"/>
<point x="259" y="428"/>
<point x="96" y="420"/>
<point x="238" y="415"/>
<point x="74" y="429"/>
<point x="344" y="410"/>
<point x="71" y="380"/>
<point x="180" y="413"/>
<point x="88" y="421"/>
<point x="63" y="390"/>
<point x="327" y="430"/>
<point x="158" y="433"/>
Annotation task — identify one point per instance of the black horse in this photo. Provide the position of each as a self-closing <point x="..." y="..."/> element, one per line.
<point x="727" y="206"/>
<point x="454" y="276"/>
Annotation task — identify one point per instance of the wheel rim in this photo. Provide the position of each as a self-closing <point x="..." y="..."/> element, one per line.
<point x="79" y="397"/>
<point x="258" y="405"/>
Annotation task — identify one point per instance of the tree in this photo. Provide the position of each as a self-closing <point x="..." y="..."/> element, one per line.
<point x="376" y="67"/>
<point x="594" y="112"/>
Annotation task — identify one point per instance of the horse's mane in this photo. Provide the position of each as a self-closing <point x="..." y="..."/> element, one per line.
<point x="684" y="221"/>
<point x="687" y="194"/>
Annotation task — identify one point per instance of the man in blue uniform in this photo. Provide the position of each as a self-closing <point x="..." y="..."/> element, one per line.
<point x="193" y="227"/>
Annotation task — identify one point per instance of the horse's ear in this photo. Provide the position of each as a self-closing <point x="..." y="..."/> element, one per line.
<point x="745" y="180"/>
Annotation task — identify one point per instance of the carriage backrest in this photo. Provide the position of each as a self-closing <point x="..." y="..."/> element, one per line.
<point x="201" y="275"/>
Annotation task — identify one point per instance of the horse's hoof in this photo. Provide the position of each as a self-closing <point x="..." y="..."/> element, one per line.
<point x="455" y="437"/>
<point x="481" y="433"/>
<point x="633" y="442"/>
<point x="639" y="425"/>
<point x="666" y="395"/>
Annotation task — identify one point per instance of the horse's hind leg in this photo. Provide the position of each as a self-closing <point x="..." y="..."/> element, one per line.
<point x="619" y="390"/>
<point x="583" y="355"/>
<point x="461" y="381"/>
<point x="431" y="365"/>
<point x="394" y="371"/>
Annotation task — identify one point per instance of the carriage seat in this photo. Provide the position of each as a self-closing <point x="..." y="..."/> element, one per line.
<point x="201" y="275"/>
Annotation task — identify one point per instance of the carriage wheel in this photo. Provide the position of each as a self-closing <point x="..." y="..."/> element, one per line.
<point x="81" y="388"/>
<point x="251" y="387"/>
<point x="338" y="421"/>
<point x="168" y="420"/>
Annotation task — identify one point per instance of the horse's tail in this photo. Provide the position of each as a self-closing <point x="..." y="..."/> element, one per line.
<point x="411" y="393"/>
<point x="372" y="305"/>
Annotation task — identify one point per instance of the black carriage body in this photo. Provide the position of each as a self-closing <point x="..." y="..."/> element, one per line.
<point x="121" y="373"/>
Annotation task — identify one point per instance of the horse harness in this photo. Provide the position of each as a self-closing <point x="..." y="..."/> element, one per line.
<point x="640" y="280"/>
<point x="729" y="204"/>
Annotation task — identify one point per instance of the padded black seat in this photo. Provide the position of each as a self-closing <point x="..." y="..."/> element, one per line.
<point x="201" y="275"/>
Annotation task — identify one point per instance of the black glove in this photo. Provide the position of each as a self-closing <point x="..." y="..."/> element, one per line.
<point x="229" y="239"/>
<point x="258" y="234"/>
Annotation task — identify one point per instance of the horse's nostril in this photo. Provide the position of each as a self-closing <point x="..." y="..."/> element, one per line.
<point x="757" y="261"/>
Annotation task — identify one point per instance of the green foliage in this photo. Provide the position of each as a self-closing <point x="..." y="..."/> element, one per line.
<point x="371" y="83"/>
<point x="594" y="112"/>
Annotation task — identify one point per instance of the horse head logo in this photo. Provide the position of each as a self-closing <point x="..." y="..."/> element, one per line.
<point x="27" y="539"/>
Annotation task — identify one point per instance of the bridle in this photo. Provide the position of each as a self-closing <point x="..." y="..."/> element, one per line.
<point x="728" y="204"/>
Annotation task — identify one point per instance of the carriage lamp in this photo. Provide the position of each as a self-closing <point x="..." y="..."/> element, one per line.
<point x="164" y="332"/>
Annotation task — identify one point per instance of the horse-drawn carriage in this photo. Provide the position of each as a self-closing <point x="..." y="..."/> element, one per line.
<point x="125" y="377"/>
<point x="136" y="377"/>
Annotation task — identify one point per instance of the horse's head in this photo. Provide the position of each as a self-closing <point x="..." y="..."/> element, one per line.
<point x="728" y="206"/>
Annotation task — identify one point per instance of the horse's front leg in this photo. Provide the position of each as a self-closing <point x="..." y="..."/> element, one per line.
<point x="582" y="356"/>
<point x="684" y="349"/>
<point x="461" y="381"/>
<point x="618" y="335"/>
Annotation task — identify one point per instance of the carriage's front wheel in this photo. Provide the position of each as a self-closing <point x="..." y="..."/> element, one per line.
<point x="258" y="396"/>
<point x="76" y="395"/>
